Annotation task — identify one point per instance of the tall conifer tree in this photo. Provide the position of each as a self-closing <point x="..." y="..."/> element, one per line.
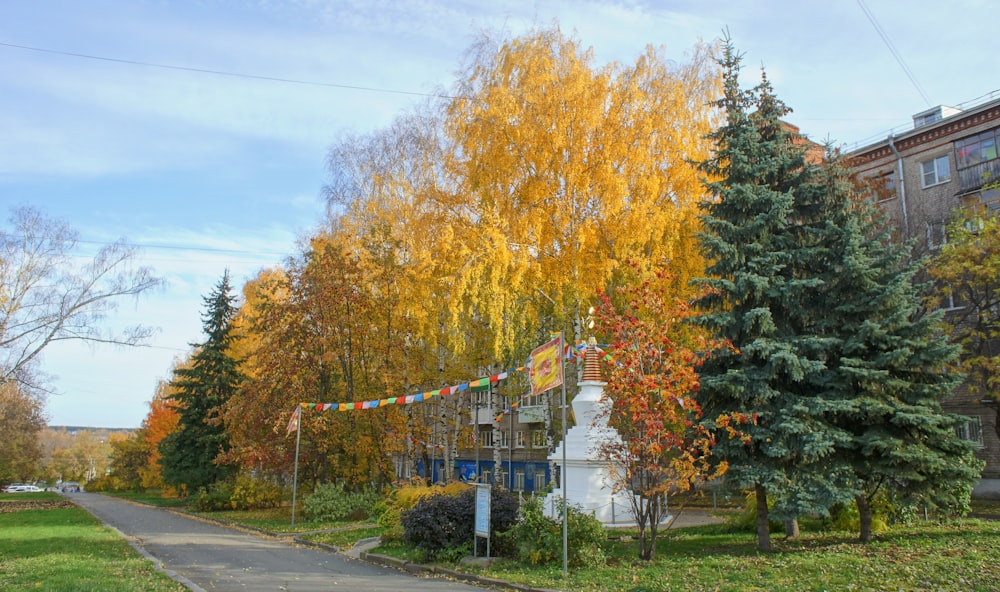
<point x="887" y="361"/>
<point x="190" y="452"/>
<point x="758" y="236"/>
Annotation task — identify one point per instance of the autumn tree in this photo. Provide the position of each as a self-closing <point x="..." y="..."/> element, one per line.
<point x="561" y="171"/>
<point x="160" y="421"/>
<point x="79" y="455"/>
<point x="506" y="208"/>
<point x="190" y="453"/>
<point x="22" y="418"/>
<point x="967" y="274"/>
<point x="662" y="448"/>
<point x="129" y="457"/>
<point x="315" y="332"/>
<point x="44" y="299"/>
<point x="383" y="181"/>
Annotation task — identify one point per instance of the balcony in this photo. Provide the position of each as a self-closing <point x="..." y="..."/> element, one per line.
<point x="977" y="175"/>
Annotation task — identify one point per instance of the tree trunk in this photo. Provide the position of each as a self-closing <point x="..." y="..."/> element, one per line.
<point x="496" y="408"/>
<point x="865" y="518"/>
<point x="792" y="528"/>
<point x="763" y="527"/>
<point x="646" y="543"/>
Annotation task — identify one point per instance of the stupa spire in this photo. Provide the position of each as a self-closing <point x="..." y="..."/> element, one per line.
<point x="592" y="362"/>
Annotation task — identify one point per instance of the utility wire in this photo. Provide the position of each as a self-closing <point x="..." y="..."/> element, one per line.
<point x="224" y="73"/>
<point x="895" y="53"/>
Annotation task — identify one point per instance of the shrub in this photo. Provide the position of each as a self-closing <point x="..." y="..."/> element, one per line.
<point x="746" y="520"/>
<point x="537" y="539"/>
<point x="255" y="494"/>
<point x="443" y="522"/>
<point x="333" y="502"/>
<point x="243" y="493"/>
<point x="404" y="498"/>
<point x="215" y="498"/>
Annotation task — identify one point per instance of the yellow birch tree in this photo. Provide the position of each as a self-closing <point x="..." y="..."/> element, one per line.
<point x="562" y="171"/>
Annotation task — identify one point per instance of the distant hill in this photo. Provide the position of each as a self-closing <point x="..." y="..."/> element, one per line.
<point x="74" y="429"/>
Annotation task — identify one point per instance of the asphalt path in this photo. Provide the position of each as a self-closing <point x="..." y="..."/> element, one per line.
<point x="210" y="557"/>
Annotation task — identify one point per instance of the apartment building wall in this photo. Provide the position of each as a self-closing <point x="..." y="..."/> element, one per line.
<point x="919" y="178"/>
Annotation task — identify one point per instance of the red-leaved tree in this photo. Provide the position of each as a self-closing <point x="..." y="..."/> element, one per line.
<point x="664" y="449"/>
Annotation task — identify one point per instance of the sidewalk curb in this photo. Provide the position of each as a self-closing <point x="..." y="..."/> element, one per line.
<point x="422" y="569"/>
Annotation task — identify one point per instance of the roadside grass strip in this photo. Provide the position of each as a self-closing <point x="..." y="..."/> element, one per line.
<point x="66" y="549"/>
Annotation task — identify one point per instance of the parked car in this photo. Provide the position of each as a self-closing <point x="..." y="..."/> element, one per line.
<point x="21" y="488"/>
<point x="70" y="487"/>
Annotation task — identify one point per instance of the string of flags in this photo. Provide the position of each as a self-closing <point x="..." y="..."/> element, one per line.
<point x="570" y="353"/>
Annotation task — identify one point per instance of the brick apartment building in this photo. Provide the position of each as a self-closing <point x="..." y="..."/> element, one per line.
<point x="919" y="178"/>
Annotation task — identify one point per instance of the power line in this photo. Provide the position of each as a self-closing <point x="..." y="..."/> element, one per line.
<point x="223" y="72"/>
<point x="895" y="53"/>
<point x="187" y="248"/>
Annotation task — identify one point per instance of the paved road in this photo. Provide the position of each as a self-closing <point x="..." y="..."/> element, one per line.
<point x="206" y="556"/>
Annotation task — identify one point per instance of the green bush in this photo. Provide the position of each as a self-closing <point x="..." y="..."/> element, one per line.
<point x="746" y="520"/>
<point x="255" y="494"/>
<point x="215" y="498"/>
<point x="537" y="539"/>
<point x="439" y="524"/>
<point x="243" y="493"/>
<point x="330" y="502"/>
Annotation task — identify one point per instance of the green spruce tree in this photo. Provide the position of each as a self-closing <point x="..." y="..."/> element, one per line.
<point x="202" y="388"/>
<point x="759" y="236"/>
<point x="887" y="363"/>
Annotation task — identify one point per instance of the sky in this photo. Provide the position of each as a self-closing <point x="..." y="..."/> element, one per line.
<point x="198" y="130"/>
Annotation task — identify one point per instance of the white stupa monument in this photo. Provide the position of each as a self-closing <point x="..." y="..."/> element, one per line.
<point x="586" y="476"/>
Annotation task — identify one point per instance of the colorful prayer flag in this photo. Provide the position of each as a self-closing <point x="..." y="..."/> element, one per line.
<point x="546" y="367"/>
<point x="293" y="423"/>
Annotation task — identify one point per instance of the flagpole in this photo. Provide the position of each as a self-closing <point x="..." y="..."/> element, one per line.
<point x="295" y="479"/>
<point x="564" y="483"/>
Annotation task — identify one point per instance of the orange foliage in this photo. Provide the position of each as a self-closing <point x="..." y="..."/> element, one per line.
<point x="159" y="423"/>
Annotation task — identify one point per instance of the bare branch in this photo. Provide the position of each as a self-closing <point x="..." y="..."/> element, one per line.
<point x="43" y="299"/>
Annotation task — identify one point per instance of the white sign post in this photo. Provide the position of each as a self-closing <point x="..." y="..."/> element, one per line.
<point x="482" y="529"/>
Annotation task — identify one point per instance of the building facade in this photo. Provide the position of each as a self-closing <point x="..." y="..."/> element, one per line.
<point x="920" y="178"/>
<point x="510" y="447"/>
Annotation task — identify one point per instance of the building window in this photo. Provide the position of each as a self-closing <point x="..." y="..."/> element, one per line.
<point x="933" y="172"/>
<point x="519" y="439"/>
<point x="518" y="479"/>
<point x="539" y="479"/>
<point x="486" y="438"/>
<point x="538" y="439"/>
<point x="502" y="474"/>
<point x="937" y="235"/>
<point x="504" y="439"/>
<point x="950" y="302"/>
<point x="975" y="150"/>
<point x="881" y="187"/>
<point x="487" y="476"/>
<point x="483" y="400"/>
<point x="971" y="431"/>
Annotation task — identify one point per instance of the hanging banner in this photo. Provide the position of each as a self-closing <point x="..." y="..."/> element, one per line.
<point x="293" y="423"/>
<point x="546" y="367"/>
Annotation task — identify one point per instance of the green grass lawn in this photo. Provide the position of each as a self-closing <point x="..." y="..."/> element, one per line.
<point x="275" y="520"/>
<point x="153" y="498"/>
<point x="961" y="555"/>
<point x="51" y="548"/>
<point x="345" y="538"/>
<point x="946" y="555"/>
